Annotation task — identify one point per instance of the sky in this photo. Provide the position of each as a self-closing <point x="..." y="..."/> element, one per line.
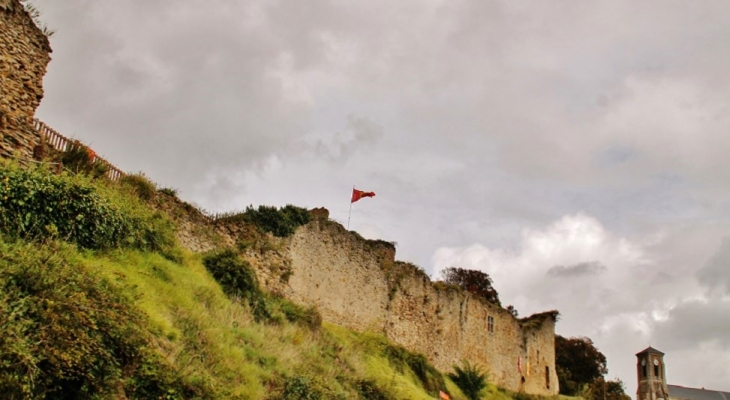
<point x="575" y="151"/>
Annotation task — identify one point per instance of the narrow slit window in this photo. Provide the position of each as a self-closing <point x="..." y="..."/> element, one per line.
<point x="547" y="377"/>
<point x="490" y="324"/>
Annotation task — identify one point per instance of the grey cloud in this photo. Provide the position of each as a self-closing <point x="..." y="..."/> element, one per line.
<point x="360" y="134"/>
<point x="692" y="323"/>
<point x="716" y="273"/>
<point x="580" y="269"/>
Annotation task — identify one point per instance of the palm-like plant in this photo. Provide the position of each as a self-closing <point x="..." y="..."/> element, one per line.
<point x="470" y="379"/>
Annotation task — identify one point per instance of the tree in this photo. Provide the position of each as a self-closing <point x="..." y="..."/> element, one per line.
<point x="578" y="363"/>
<point x="601" y="389"/>
<point x="476" y="282"/>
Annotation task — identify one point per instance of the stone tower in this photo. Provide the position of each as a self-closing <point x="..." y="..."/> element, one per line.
<point x="651" y="377"/>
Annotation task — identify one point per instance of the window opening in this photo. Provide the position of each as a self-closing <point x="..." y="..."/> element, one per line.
<point x="547" y="377"/>
<point x="490" y="324"/>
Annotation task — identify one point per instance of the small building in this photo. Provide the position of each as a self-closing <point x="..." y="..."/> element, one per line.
<point x="651" y="374"/>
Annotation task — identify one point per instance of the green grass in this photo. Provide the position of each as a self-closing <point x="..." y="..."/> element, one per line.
<point x="139" y="316"/>
<point x="215" y="348"/>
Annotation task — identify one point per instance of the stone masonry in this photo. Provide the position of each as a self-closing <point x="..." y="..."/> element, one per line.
<point x="358" y="284"/>
<point x="24" y="55"/>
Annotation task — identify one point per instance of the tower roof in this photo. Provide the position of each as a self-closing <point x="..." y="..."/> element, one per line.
<point x="650" y="350"/>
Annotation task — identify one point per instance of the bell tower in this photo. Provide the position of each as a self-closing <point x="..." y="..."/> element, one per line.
<point x="651" y="377"/>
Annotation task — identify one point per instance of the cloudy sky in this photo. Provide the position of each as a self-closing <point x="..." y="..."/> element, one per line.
<point x="575" y="151"/>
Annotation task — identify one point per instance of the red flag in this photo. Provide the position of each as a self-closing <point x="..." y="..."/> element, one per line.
<point x="359" y="194"/>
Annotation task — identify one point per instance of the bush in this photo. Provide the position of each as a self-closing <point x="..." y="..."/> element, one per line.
<point x="142" y="186"/>
<point x="68" y="333"/>
<point x="301" y="388"/>
<point x="237" y="279"/>
<point x="34" y="203"/>
<point x="306" y="316"/>
<point x="368" y="390"/>
<point x="281" y="222"/>
<point x="470" y="379"/>
<point x="79" y="159"/>
<point x="430" y="377"/>
<point x="169" y="192"/>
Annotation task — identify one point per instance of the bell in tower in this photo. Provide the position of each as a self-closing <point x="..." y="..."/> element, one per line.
<point x="651" y="377"/>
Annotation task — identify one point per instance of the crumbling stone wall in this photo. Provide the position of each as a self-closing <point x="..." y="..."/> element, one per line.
<point x="24" y="56"/>
<point x="358" y="284"/>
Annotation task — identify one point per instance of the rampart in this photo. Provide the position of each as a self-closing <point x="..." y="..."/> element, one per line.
<point x="24" y="56"/>
<point x="358" y="284"/>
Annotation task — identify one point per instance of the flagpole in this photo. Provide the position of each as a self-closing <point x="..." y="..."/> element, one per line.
<point x="350" y="214"/>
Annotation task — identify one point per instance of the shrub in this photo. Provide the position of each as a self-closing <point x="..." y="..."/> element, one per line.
<point x="79" y="159"/>
<point x="306" y="316"/>
<point x="430" y="377"/>
<point x="281" y="222"/>
<point x="470" y="379"/>
<point x="35" y="203"/>
<point x="169" y="192"/>
<point x="68" y="333"/>
<point x="301" y="388"/>
<point x="237" y="279"/>
<point x="477" y="282"/>
<point x="142" y="186"/>
<point x="368" y="390"/>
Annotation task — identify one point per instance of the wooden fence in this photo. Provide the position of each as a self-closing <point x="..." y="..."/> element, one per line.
<point x="62" y="143"/>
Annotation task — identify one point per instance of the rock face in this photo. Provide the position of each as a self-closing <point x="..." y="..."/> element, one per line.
<point x="358" y="284"/>
<point x="24" y="55"/>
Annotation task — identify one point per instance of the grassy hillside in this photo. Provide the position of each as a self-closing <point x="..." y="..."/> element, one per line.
<point x="97" y="300"/>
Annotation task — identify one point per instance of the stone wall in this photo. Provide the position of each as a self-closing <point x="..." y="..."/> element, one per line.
<point x="24" y="55"/>
<point x="358" y="284"/>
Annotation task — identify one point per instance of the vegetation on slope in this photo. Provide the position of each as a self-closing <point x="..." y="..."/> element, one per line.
<point x="121" y="318"/>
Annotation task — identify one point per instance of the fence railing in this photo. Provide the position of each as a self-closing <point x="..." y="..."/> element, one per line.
<point x="62" y="143"/>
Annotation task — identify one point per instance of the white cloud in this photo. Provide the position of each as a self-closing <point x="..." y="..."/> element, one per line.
<point x="607" y="287"/>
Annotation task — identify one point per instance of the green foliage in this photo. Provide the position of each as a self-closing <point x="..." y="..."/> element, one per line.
<point x="169" y="192"/>
<point x="237" y="279"/>
<point x="281" y="222"/>
<point x="470" y="379"/>
<point x="601" y="389"/>
<point x="79" y="159"/>
<point x="305" y="316"/>
<point x="430" y="378"/>
<point x="577" y="363"/>
<point x="301" y="388"/>
<point x="68" y="333"/>
<point x="35" y="203"/>
<point x="142" y="186"/>
<point x="477" y="282"/>
<point x="369" y="390"/>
